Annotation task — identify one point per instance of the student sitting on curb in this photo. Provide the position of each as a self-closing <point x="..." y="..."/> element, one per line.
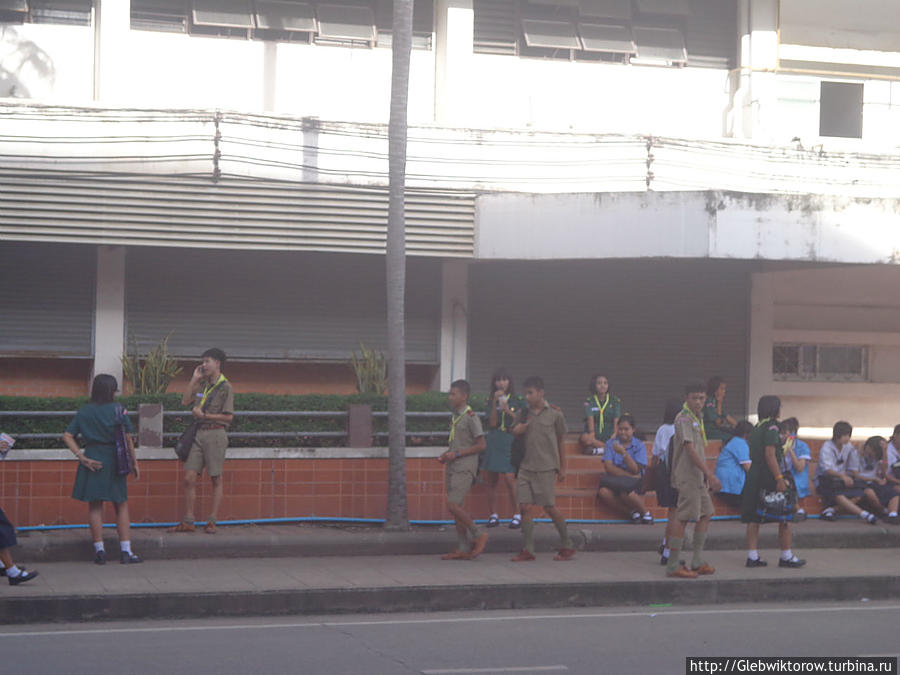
<point x="733" y="464"/>
<point x="838" y="460"/>
<point x="461" y="459"/>
<point x="892" y="458"/>
<point x="797" y="457"/>
<point x="881" y="496"/>
<point x="542" y="466"/>
<point x="625" y="460"/>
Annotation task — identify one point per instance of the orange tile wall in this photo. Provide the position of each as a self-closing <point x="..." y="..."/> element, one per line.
<point x="45" y="377"/>
<point x="36" y="493"/>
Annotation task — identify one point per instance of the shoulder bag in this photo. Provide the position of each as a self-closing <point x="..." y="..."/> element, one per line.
<point x="124" y="459"/>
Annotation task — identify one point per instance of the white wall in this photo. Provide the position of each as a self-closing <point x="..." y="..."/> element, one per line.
<point x="833" y="305"/>
<point x="49" y="63"/>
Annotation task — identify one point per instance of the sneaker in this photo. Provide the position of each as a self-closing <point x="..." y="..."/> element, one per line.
<point x="704" y="569"/>
<point x="22" y="578"/>
<point x="127" y="558"/>
<point x="682" y="573"/>
<point x="515" y="523"/>
<point x="523" y="556"/>
<point x="647" y="519"/>
<point x="796" y="562"/>
<point x="829" y="515"/>
<point x="100" y="557"/>
<point x="565" y="554"/>
<point x="493" y="521"/>
<point x="759" y="562"/>
<point x="478" y="546"/>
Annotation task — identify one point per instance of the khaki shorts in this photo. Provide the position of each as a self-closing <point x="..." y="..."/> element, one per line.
<point x="536" y="487"/>
<point x="458" y="483"/>
<point x="208" y="451"/>
<point x="694" y="503"/>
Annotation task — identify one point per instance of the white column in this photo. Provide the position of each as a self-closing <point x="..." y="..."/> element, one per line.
<point x="454" y="322"/>
<point x="454" y="30"/>
<point x="762" y="340"/>
<point x="112" y="27"/>
<point x="763" y="61"/>
<point x="109" y="311"/>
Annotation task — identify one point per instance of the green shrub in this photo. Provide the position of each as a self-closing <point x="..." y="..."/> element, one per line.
<point x="428" y="402"/>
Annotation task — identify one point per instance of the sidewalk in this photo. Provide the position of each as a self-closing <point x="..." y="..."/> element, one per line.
<point x="276" y="570"/>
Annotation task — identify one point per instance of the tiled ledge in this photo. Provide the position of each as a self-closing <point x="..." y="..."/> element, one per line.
<point x="33" y="455"/>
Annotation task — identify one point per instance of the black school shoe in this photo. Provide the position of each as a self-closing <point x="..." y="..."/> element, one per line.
<point x="799" y="562"/>
<point x="127" y="558"/>
<point x="100" y="557"/>
<point x="22" y="578"/>
<point x="759" y="562"/>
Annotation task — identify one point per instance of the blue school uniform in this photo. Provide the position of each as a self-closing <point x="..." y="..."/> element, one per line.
<point x="801" y="478"/>
<point x="728" y="466"/>
<point x="636" y="450"/>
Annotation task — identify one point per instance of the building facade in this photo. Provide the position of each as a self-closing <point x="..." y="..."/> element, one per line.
<point x="658" y="190"/>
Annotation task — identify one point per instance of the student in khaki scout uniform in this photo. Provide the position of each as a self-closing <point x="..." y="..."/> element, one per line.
<point x="461" y="459"/>
<point x="544" y="463"/>
<point x="693" y="480"/>
<point x="212" y="397"/>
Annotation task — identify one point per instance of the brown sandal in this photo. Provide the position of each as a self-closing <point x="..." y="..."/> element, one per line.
<point x="210" y="527"/>
<point x="183" y="526"/>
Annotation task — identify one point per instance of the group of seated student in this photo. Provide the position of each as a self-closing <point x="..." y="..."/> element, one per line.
<point x="862" y="483"/>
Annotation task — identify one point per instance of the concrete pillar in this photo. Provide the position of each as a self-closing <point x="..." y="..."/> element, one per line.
<point x="150" y="425"/>
<point x="762" y="338"/>
<point x="109" y="311"/>
<point x="454" y="322"/>
<point x="112" y="27"/>
<point x="755" y="98"/>
<point x="359" y="426"/>
<point x="454" y="31"/>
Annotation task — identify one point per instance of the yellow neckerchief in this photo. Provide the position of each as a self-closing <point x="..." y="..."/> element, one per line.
<point x="697" y="420"/>
<point x="602" y="410"/>
<point x="455" y="420"/>
<point x="503" y="414"/>
<point x="208" y="390"/>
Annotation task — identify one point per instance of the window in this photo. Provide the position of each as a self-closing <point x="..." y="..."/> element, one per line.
<point x="346" y="23"/>
<point x="167" y="16"/>
<point x="604" y="38"/>
<point x="423" y="23"/>
<point x="839" y="363"/>
<point x="841" y="109"/>
<point x="659" y="46"/>
<point x="68" y="12"/>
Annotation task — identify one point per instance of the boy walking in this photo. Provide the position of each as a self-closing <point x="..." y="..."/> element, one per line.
<point x="212" y="397"/>
<point x="542" y="466"/>
<point x="693" y="480"/>
<point x="461" y="459"/>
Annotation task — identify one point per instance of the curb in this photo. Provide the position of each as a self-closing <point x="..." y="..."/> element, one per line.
<point x="170" y="606"/>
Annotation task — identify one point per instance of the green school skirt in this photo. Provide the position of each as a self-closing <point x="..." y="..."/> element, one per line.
<point x="105" y="485"/>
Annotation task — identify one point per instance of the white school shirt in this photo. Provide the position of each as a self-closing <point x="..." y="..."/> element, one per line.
<point x="844" y="460"/>
<point x="893" y="454"/>
<point x="661" y="443"/>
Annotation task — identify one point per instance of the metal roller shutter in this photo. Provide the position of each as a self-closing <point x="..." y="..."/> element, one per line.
<point x="651" y="326"/>
<point x="46" y="299"/>
<point x="188" y="211"/>
<point x="276" y="305"/>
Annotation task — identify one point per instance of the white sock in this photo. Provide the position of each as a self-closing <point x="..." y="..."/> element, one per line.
<point x="518" y="516"/>
<point x="125" y="546"/>
<point x="647" y="513"/>
<point x="830" y="509"/>
<point x="787" y="554"/>
<point x="98" y="546"/>
<point x="13" y="572"/>
<point x="666" y="552"/>
<point x="799" y="511"/>
<point x="753" y="554"/>
<point x="864" y="515"/>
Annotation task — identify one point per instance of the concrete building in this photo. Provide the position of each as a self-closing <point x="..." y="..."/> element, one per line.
<point x="660" y="190"/>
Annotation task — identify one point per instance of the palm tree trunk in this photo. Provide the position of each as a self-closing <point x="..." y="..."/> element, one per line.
<point x="397" y="510"/>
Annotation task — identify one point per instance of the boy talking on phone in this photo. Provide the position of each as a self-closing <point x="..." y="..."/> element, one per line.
<point x="211" y="398"/>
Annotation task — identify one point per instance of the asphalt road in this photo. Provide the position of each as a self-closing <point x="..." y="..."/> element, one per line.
<point x="649" y="640"/>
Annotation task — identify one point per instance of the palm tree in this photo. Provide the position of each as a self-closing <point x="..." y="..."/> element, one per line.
<point x="397" y="510"/>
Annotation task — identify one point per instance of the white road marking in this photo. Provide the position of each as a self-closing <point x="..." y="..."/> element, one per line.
<point x="511" y="669"/>
<point x="657" y="613"/>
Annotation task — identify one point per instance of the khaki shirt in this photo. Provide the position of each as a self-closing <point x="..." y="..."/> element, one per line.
<point x="466" y="432"/>
<point x="686" y="474"/>
<point x="221" y="401"/>
<point x="541" y="439"/>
